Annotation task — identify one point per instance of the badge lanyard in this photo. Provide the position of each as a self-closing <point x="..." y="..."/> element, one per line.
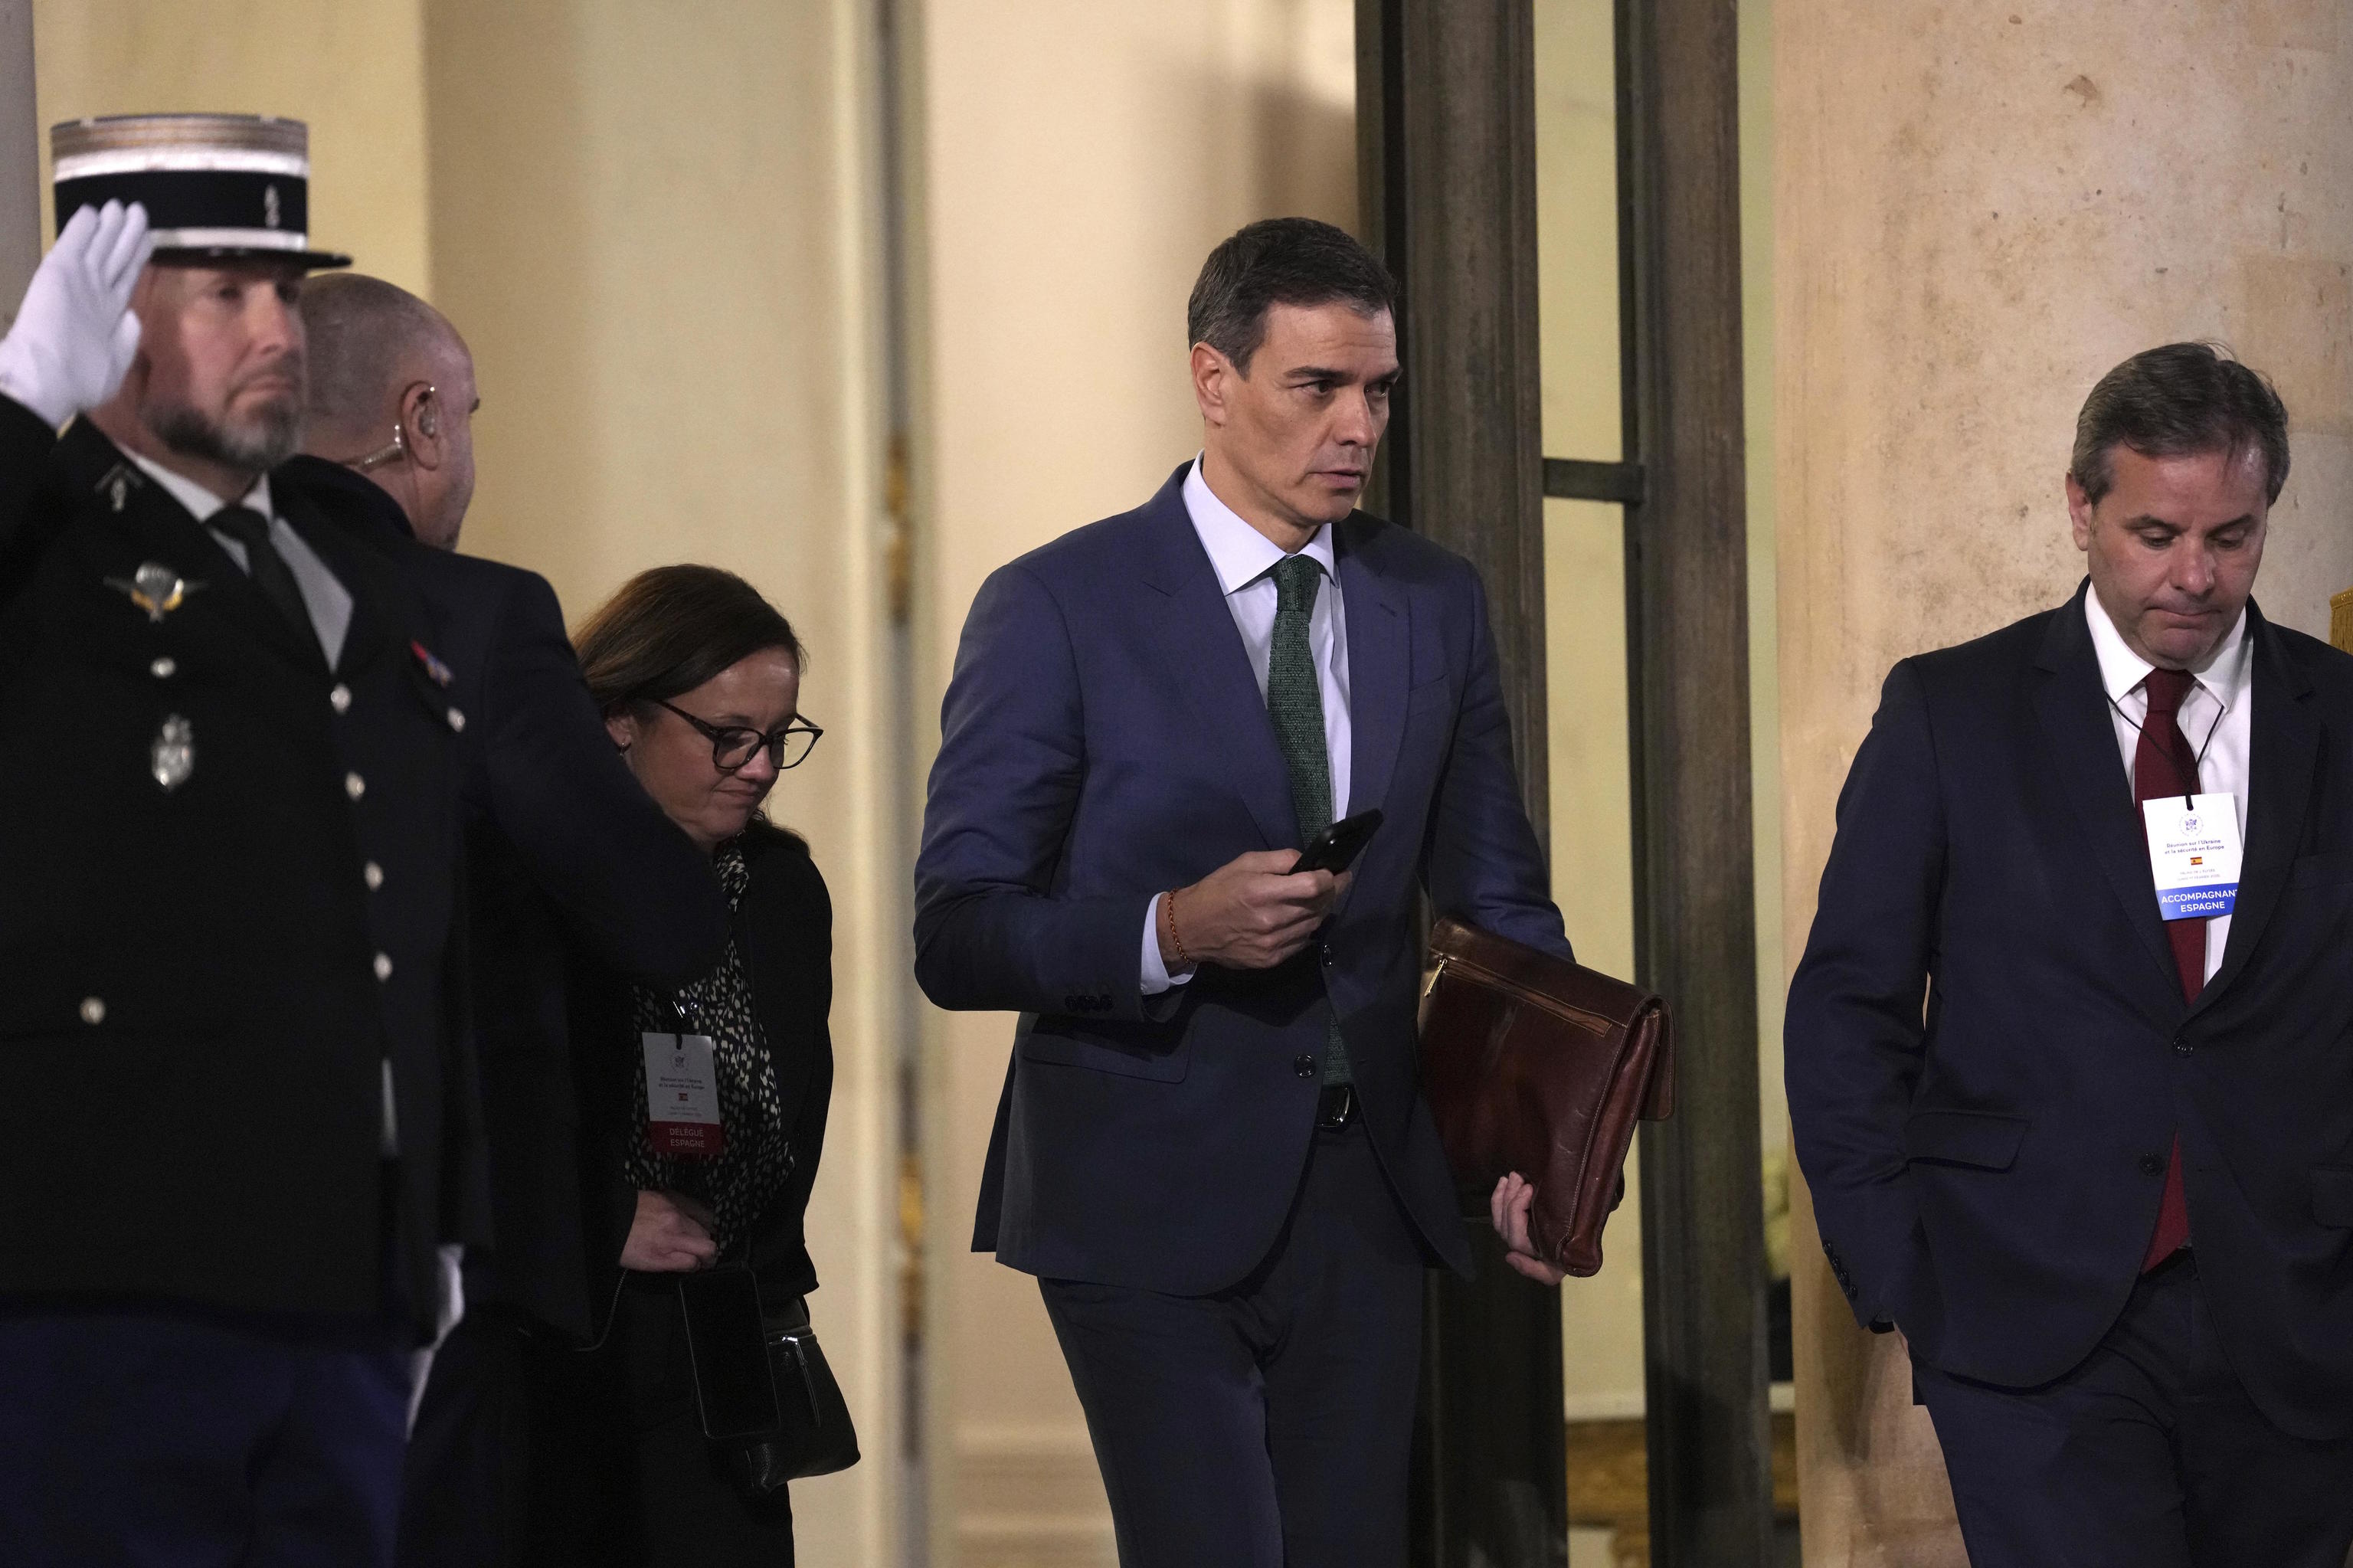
<point x="682" y="1093"/>
<point x="2194" y="848"/>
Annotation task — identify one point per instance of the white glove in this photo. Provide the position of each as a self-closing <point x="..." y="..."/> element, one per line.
<point x="75" y="334"/>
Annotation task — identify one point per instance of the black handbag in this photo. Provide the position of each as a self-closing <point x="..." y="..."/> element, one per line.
<point x="814" y="1435"/>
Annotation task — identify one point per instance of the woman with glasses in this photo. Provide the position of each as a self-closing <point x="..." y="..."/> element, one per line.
<point x="698" y="680"/>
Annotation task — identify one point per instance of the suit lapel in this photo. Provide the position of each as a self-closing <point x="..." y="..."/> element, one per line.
<point x="363" y="574"/>
<point x="1379" y="653"/>
<point x="2071" y="706"/>
<point x="1199" y="643"/>
<point x="2283" y="748"/>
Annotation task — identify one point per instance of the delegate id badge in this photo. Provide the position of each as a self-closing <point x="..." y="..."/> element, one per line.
<point x="683" y="1096"/>
<point x="2194" y="852"/>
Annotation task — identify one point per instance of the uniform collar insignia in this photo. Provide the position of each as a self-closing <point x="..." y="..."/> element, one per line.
<point x="155" y="588"/>
<point x="117" y="484"/>
<point x="437" y="672"/>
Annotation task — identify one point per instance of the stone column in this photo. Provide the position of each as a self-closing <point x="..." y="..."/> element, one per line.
<point x="1982" y="208"/>
<point x="20" y="156"/>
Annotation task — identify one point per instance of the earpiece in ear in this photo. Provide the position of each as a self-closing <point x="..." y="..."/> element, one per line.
<point x="425" y="424"/>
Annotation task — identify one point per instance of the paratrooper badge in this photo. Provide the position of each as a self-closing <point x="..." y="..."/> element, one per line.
<point x="155" y="588"/>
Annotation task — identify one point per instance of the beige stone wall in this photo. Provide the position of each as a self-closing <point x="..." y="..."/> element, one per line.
<point x="1980" y="210"/>
<point x="1077" y="162"/>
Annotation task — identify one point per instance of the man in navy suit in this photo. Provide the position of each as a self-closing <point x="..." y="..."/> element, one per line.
<point x="1211" y="1148"/>
<point x="2094" y="1153"/>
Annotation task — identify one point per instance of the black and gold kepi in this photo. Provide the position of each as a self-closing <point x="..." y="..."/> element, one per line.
<point x="217" y="187"/>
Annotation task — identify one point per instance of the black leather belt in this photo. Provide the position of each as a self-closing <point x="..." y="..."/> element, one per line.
<point x="1338" y="1107"/>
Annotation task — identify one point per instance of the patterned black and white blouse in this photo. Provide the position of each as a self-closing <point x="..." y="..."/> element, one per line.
<point x="757" y="1156"/>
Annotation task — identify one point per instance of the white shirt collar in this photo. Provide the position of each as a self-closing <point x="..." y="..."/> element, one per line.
<point x="2223" y="676"/>
<point x="202" y="503"/>
<point x="1239" y="553"/>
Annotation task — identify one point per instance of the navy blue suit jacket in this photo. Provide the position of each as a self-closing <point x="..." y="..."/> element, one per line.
<point x="1103" y="740"/>
<point x="1988" y="1050"/>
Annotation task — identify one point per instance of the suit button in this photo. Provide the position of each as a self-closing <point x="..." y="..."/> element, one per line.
<point x="355" y="786"/>
<point x="1074" y="1005"/>
<point x="164" y="668"/>
<point x="372" y="874"/>
<point x="384" y="966"/>
<point x="93" y="1010"/>
<point x="456" y="719"/>
<point x="2183" y="1047"/>
<point x="2152" y="1164"/>
<point x="340" y="699"/>
<point x="1303" y="1065"/>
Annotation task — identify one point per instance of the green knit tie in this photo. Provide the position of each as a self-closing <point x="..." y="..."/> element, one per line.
<point x="1294" y="700"/>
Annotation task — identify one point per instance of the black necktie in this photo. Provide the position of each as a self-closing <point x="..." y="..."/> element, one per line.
<point x="264" y="564"/>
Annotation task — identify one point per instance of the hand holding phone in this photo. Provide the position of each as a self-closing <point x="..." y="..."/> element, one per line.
<point x="1336" y="847"/>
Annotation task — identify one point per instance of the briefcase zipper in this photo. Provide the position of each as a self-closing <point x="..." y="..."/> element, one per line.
<point x="1591" y="1021"/>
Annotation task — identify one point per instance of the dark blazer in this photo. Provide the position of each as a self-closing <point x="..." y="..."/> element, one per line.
<point x="1988" y="1050"/>
<point x="1103" y="740"/>
<point x="783" y="927"/>
<point x="561" y="845"/>
<point x="202" y="984"/>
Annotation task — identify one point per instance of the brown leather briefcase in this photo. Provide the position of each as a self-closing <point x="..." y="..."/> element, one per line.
<point x="1536" y="1065"/>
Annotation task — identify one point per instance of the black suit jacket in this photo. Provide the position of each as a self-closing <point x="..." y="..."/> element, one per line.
<point x="1988" y="1050"/>
<point x="200" y="986"/>
<point x="562" y="846"/>
<point x="783" y="927"/>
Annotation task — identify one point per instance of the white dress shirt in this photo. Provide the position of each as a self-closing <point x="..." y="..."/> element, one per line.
<point x="323" y="595"/>
<point x="1244" y="560"/>
<point x="2216" y="718"/>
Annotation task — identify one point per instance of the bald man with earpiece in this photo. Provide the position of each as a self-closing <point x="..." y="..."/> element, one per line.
<point x="568" y="861"/>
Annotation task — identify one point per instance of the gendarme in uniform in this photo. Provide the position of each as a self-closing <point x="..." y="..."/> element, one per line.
<point x="232" y="1086"/>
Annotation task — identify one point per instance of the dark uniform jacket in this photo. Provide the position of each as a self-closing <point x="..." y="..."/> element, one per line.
<point x="562" y="846"/>
<point x="784" y="928"/>
<point x="1989" y="1055"/>
<point x="204" y="980"/>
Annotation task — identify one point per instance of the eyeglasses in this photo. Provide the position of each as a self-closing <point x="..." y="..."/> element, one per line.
<point x="733" y="744"/>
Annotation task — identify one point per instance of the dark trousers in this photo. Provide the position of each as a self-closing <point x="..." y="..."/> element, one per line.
<point x="468" y="1457"/>
<point x="173" y="1440"/>
<point x="2149" y="1455"/>
<point x="1268" y="1425"/>
<point x="621" y="1476"/>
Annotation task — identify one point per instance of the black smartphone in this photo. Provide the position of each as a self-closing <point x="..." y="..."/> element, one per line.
<point x="734" y="1392"/>
<point x="1336" y="847"/>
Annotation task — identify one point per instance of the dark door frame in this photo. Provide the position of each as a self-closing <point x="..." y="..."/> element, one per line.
<point x="1447" y="181"/>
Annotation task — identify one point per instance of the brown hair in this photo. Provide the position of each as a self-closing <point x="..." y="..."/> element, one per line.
<point x="668" y="630"/>
<point x="2172" y="401"/>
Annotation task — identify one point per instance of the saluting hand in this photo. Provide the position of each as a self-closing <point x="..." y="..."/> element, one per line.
<point x="1251" y="913"/>
<point x="670" y="1235"/>
<point x="75" y="334"/>
<point x="1508" y="1207"/>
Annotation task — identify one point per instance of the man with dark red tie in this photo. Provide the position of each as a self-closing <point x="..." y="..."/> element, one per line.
<point x="2071" y="1049"/>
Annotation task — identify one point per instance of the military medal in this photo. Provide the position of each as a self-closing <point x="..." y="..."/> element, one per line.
<point x="173" y="756"/>
<point x="437" y="672"/>
<point x="155" y="588"/>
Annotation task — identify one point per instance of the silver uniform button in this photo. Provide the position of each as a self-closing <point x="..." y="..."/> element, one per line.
<point x="93" y="1010"/>
<point x="340" y="699"/>
<point x="384" y="966"/>
<point x="456" y="719"/>
<point x="374" y="874"/>
<point x="355" y="786"/>
<point x="163" y="669"/>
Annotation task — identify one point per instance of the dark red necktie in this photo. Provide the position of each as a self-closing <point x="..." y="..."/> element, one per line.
<point x="2164" y="764"/>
